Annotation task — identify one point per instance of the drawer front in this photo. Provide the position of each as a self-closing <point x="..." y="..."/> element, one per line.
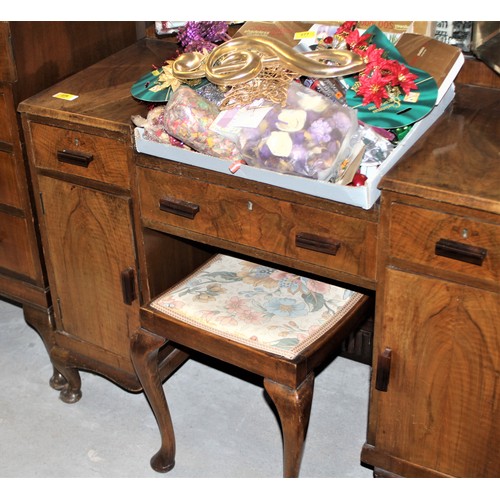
<point x="7" y="117"/>
<point x="85" y="155"/>
<point x="15" y="252"/>
<point x="445" y="242"/>
<point x="9" y="186"/>
<point x="319" y="237"/>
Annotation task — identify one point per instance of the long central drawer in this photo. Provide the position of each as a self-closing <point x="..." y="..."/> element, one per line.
<point x="293" y="230"/>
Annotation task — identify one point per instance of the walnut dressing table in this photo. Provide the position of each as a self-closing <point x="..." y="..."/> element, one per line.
<point x="429" y="251"/>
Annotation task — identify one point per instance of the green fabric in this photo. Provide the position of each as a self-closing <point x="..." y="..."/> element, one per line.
<point x="397" y="113"/>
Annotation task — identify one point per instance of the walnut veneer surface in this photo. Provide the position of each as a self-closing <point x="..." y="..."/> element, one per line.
<point x="434" y="410"/>
<point x="110" y="248"/>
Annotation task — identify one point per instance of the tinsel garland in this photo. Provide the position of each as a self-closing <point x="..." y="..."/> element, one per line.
<point x="195" y="36"/>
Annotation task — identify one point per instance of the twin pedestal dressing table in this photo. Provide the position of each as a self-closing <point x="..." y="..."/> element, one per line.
<point x="428" y="251"/>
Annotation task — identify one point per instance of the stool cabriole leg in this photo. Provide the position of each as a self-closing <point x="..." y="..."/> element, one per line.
<point x="144" y="352"/>
<point x="294" y="409"/>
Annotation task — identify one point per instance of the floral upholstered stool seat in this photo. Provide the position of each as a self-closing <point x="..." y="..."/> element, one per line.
<point x="271" y="322"/>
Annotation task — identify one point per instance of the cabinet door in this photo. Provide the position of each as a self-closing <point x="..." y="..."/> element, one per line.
<point x="91" y="252"/>
<point x="441" y="409"/>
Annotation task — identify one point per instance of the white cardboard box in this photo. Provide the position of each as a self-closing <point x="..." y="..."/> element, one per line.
<point x="363" y="196"/>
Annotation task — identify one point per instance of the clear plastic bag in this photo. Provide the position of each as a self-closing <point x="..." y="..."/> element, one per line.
<point x="188" y="117"/>
<point x="154" y="129"/>
<point x="306" y="137"/>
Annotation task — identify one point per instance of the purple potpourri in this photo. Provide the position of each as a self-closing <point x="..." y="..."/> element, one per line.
<point x="303" y="138"/>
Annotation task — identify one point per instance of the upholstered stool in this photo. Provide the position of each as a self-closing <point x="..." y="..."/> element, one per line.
<point x="273" y="323"/>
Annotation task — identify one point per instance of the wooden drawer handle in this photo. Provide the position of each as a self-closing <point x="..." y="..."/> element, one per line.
<point x="460" y="251"/>
<point x="75" y="158"/>
<point x="317" y="243"/>
<point x="383" y="370"/>
<point x="6" y="147"/>
<point x="128" y="285"/>
<point x="179" y="207"/>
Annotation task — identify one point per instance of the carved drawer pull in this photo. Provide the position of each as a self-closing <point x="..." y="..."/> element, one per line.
<point x="383" y="370"/>
<point x="179" y="207"/>
<point x="460" y="251"/>
<point x="75" y="158"/>
<point x="317" y="243"/>
<point x="128" y="285"/>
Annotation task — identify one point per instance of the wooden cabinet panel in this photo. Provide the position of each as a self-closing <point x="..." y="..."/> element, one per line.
<point x="77" y="153"/>
<point x="7" y="69"/>
<point x="261" y="222"/>
<point x="441" y="407"/>
<point x="16" y="251"/>
<point x="8" y="125"/>
<point x="90" y="244"/>
<point x="9" y="186"/>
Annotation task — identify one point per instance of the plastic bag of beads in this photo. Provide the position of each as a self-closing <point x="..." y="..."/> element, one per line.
<point x="306" y="137"/>
<point x="188" y="117"/>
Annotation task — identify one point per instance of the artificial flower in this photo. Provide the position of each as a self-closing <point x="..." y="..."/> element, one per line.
<point x="357" y="42"/>
<point x="406" y="79"/>
<point x="382" y="78"/>
<point x="373" y="57"/>
<point x="373" y="88"/>
<point x="344" y="29"/>
<point x="166" y="79"/>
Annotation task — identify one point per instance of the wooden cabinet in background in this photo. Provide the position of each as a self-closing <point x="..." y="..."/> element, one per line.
<point x="33" y="56"/>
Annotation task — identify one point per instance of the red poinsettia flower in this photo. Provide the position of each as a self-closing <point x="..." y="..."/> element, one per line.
<point x="344" y="29"/>
<point x="382" y="78"/>
<point x="406" y="79"/>
<point x="373" y="57"/>
<point x="373" y="88"/>
<point x="355" y="41"/>
<point x="389" y="69"/>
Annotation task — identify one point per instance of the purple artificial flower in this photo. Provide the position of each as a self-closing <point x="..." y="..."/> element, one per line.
<point x="299" y="154"/>
<point x="320" y="130"/>
<point x="341" y="121"/>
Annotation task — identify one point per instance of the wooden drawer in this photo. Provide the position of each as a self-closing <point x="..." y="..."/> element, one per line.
<point x="7" y="116"/>
<point x="280" y="227"/>
<point x="15" y="249"/>
<point x="446" y="242"/>
<point x="85" y="155"/>
<point x="9" y="186"/>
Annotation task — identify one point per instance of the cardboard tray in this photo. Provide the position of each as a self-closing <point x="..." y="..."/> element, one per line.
<point x="363" y="196"/>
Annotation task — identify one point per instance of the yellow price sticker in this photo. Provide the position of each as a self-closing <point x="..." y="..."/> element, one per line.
<point x="65" y="96"/>
<point x="301" y="35"/>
